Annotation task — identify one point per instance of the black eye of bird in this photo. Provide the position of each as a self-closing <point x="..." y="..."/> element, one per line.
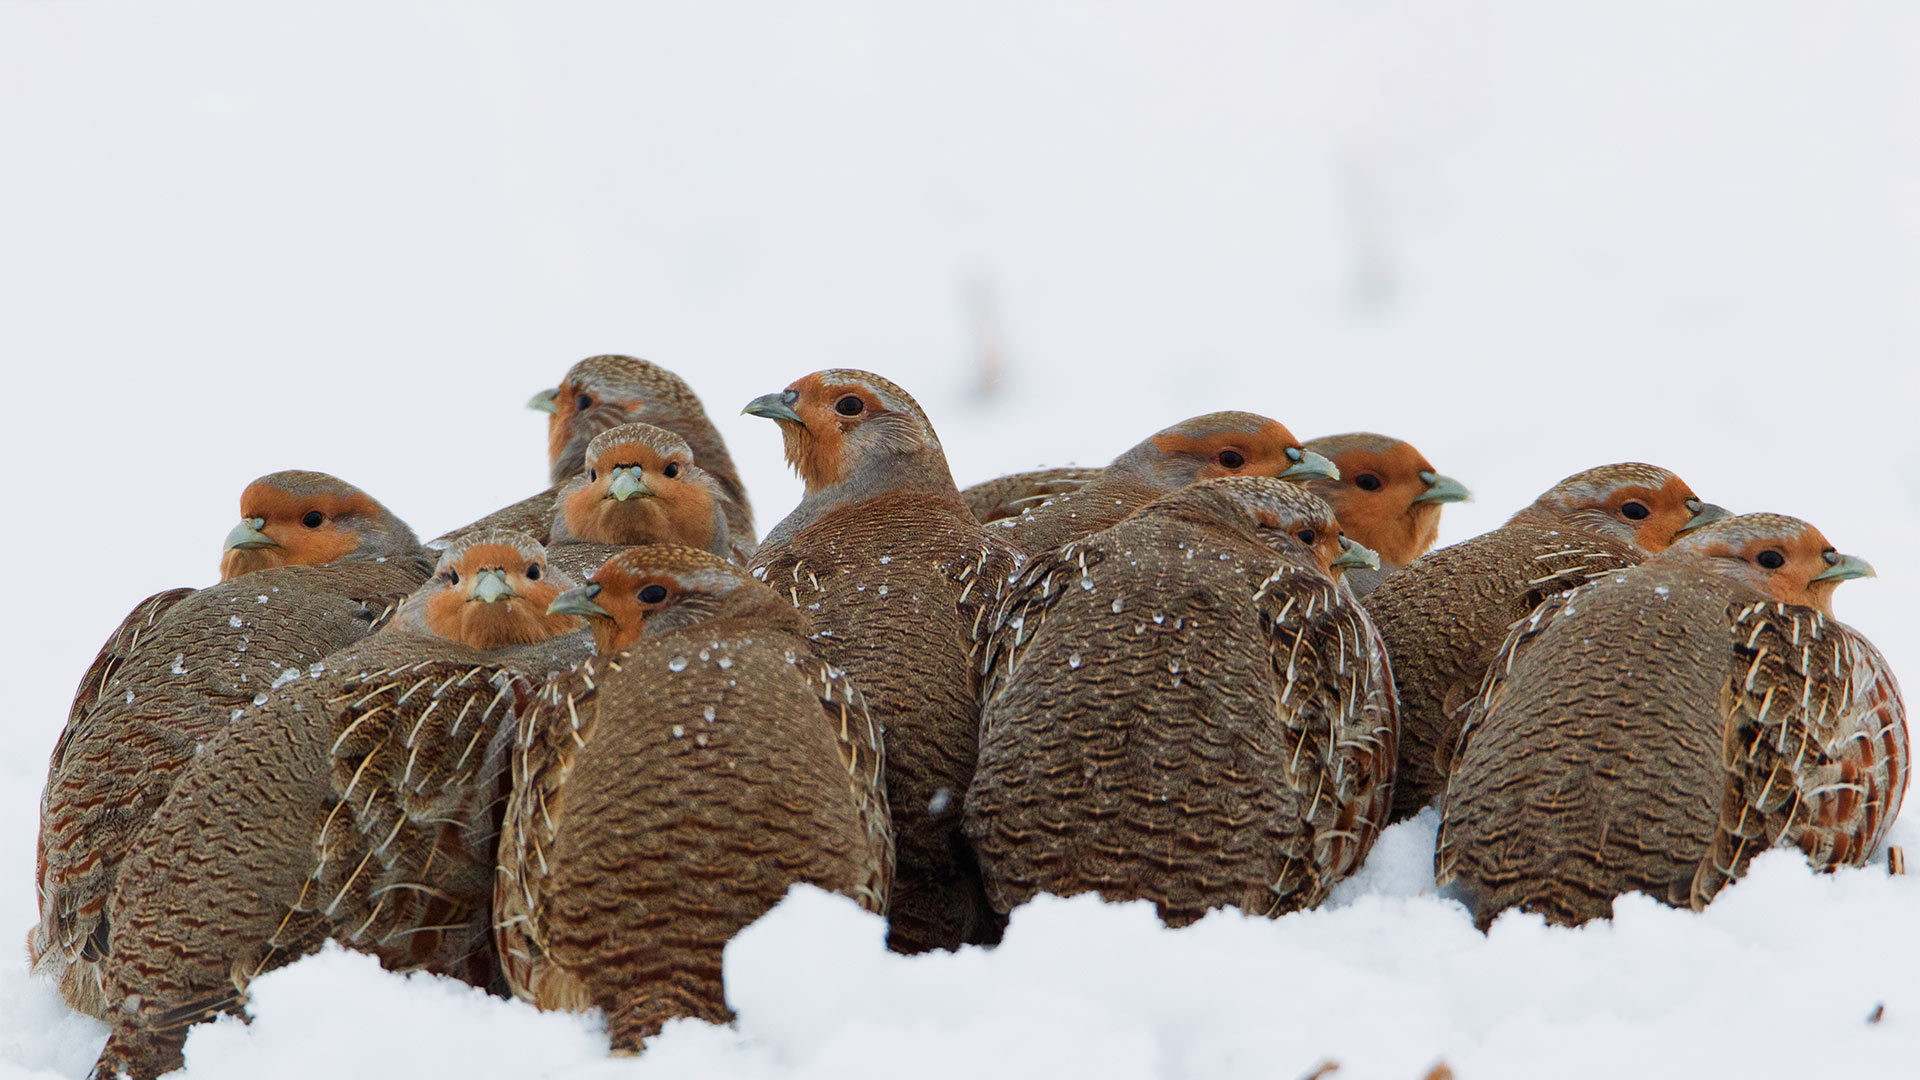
<point x="592" y="475"/>
<point x="533" y="572"/>
<point x="1634" y="511"/>
<point x="583" y="403"/>
<point x="1366" y="481"/>
<point x="453" y="577"/>
<point x="313" y="519"/>
<point x="653" y="594"/>
<point x="1771" y="559"/>
<point x="1231" y="459"/>
<point x="851" y="405"/>
<point x="672" y="470"/>
<point x="1306" y="536"/>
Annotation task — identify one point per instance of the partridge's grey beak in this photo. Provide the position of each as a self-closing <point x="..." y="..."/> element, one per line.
<point x="1356" y="556"/>
<point x="247" y="534"/>
<point x="627" y="484"/>
<point x="775" y="406"/>
<point x="490" y="586"/>
<point x="546" y="401"/>
<point x="1442" y="489"/>
<point x="1308" y="465"/>
<point x="1704" y="513"/>
<point x="1845" y="568"/>
<point x="579" y="602"/>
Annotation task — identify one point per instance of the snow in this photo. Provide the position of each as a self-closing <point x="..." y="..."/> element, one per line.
<point x="1529" y="237"/>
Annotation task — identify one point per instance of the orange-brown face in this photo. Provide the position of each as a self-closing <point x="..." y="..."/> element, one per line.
<point x="280" y="528"/>
<point x="1320" y="537"/>
<point x="1260" y="452"/>
<point x="636" y="495"/>
<point x="828" y="413"/>
<point x="1787" y="567"/>
<point x="1376" y="501"/>
<point x="1656" y="515"/>
<point x="629" y="600"/>
<point x="495" y="596"/>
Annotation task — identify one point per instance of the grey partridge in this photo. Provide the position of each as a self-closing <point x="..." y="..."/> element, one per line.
<point x="603" y="392"/>
<point x="1655" y="728"/>
<point x="1186" y="707"/>
<point x="1387" y="497"/>
<point x="358" y="801"/>
<point x="895" y="576"/>
<point x="1444" y="616"/>
<point x="1201" y="448"/>
<point x="669" y="791"/>
<point x="312" y="566"/>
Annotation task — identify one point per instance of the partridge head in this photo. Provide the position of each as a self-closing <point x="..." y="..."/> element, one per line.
<point x="1774" y="555"/>
<point x="1387" y="495"/>
<point x="1282" y="516"/>
<point x="642" y="487"/>
<point x="1642" y="505"/>
<point x="298" y="518"/>
<point x="661" y="588"/>
<point x="1201" y="448"/>
<point x="852" y="433"/>
<point x="1221" y="444"/>
<point x="489" y="591"/>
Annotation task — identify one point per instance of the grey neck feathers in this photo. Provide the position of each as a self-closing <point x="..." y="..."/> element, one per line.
<point x="922" y="471"/>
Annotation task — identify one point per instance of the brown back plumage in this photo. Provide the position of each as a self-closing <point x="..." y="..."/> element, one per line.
<point x="177" y="669"/>
<point x="359" y="801"/>
<point x="1199" y="448"/>
<point x="1655" y="728"/>
<point x="1185" y="708"/>
<point x="895" y="576"/>
<point x="669" y="794"/>
<point x="1444" y="616"/>
<point x="1006" y="496"/>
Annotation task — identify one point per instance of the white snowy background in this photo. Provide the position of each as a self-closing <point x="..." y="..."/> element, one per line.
<point x="1529" y="237"/>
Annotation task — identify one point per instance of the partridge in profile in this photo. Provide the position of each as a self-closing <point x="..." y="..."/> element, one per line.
<point x="641" y="487"/>
<point x="895" y="576"/>
<point x="668" y="792"/>
<point x="1655" y="728"/>
<point x="314" y="563"/>
<point x="603" y="392"/>
<point x="1006" y="496"/>
<point x="1444" y="616"/>
<point x="1387" y="497"/>
<point x="1186" y="708"/>
<point x="1214" y="445"/>
<point x="359" y="800"/>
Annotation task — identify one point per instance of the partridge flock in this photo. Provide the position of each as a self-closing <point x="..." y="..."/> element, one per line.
<point x="568" y="751"/>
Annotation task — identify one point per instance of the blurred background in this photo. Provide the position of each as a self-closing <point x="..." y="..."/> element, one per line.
<point x="1530" y="238"/>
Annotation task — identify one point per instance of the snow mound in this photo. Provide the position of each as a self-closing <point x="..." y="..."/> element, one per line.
<point x="1787" y="973"/>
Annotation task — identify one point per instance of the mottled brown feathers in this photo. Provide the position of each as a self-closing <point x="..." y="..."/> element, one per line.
<point x="1655" y="728"/>
<point x="668" y="794"/>
<point x="895" y="576"/>
<point x="1444" y="616"/>
<point x="179" y="667"/>
<point x="1184" y="708"/>
<point x="1006" y="496"/>
<point x="357" y="800"/>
